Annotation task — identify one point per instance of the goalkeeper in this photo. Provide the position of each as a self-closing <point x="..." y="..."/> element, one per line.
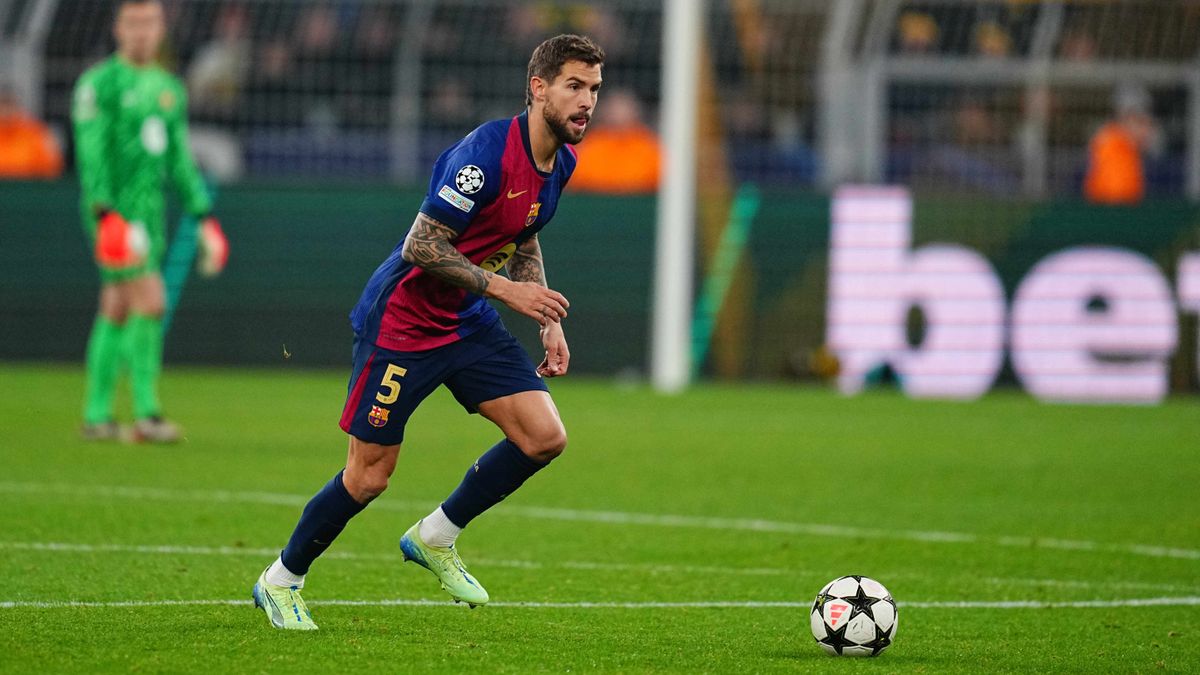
<point x="130" y="121"/>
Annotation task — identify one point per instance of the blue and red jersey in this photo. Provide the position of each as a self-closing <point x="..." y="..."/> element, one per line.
<point x="489" y="190"/>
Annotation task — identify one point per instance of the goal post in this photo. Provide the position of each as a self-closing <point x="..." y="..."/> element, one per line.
<point x="670" y="358"/>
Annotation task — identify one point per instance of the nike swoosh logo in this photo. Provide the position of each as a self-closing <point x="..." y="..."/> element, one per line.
<point x="514" y="195"/>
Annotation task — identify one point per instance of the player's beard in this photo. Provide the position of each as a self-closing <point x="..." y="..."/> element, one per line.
<point x="560" y="125"/>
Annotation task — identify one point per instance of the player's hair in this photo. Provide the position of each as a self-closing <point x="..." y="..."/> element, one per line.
<point x="548" y="59"/>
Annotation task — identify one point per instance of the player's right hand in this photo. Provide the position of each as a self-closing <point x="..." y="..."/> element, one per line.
<point x="119" y="245"/>
<point x="534" y="301"/>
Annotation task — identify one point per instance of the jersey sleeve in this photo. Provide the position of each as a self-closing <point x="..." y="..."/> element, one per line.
<point x="466" y="178"/>
<point x="187" y="179"/>
<point x="92" y="119"/>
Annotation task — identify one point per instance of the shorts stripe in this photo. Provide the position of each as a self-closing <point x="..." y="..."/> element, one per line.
<point x="355" y="395"/>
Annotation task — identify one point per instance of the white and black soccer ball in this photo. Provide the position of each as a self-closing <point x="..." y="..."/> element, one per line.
<point x="854" y="616"/>
<point x="469" y="179"/>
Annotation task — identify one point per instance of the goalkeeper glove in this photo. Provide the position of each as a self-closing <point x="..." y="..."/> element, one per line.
<point x="119" y="245"/>
<point x="214" y="248"/>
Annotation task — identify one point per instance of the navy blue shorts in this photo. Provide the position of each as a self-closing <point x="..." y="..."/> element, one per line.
<point x="386" y="386"/>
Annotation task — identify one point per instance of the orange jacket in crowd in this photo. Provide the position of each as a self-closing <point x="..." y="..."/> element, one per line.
<point x="621" y="161"/>
<point x="1114" y="174"/>
<point x="28" y="149"/>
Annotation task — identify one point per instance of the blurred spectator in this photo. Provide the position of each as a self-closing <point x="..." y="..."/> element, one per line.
<point x="220" y="68"/>
<point x="370" y="73"/>
<point x="918" y="33"/>
<point x="967" y="147"/>
<point x="27" y="147"/>
<point x="529" y="22"/>
<point x="1077" y="44"/>
<point x="621" y="154"/>
<point x="599" y="23"/>
<point x="1115" y="172"/>
<point x="273" y="85"/>
<point x="974" y="124"/>
<point x="450" y="105"/>
<point x="317" y="32"/>
<point x="318" y="71"/>
<point x="992" y="40"/>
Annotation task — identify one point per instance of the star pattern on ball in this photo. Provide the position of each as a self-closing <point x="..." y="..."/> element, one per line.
<point x="836" y="638"/>
<point x="861" y="602"/>
<point x="822" y="598"/>
<point x="835" y="611"/>
<point x="881" y="642"/>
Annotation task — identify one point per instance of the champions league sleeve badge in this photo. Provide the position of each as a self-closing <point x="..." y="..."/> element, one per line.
<point x="469" y="179"/>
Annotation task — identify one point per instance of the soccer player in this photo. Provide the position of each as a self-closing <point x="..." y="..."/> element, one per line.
<point x="130" y="119"/>
<point x="423" y="321"/>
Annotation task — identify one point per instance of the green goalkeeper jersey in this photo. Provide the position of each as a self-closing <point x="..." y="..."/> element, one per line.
<point x="130" y="135"/>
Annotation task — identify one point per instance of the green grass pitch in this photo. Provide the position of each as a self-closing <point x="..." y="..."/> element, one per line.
<point x="1016" y="537"/>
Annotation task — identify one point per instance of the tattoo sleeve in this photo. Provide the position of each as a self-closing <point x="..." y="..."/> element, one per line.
<point x="526" y="263"/>
<point x="428" y="246"/>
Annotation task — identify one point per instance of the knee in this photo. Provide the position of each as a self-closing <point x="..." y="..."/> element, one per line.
<point x="365" y="485"/>
<point x="115" y="315"/>
<point x="114" y="309"/>
<point x="547" y="444"/>
<point x="154" y="307"/>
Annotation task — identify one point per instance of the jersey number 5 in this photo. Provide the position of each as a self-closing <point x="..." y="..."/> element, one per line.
<point x="390" y="385"/>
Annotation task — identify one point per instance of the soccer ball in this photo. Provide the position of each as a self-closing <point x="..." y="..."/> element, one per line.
<point x="854" y="616"/>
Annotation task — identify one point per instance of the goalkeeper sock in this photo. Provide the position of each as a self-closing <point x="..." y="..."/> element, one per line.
<point x="103" y="364"/>
<point x="143" y="351"/>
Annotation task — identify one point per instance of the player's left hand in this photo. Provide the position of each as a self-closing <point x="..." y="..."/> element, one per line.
<point x="214" y="248"/>
<point x="558" y="357"/>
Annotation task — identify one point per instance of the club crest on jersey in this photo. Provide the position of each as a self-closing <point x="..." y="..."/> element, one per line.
<point x="378" y="416"/>
<point x="469" y="179"/>
<point x="534" y="209"/>
<point x="166" y="101"/>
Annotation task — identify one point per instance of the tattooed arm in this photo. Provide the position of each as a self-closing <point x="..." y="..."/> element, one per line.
<point x="428" y="246"/>
<point x="526" y="263"/>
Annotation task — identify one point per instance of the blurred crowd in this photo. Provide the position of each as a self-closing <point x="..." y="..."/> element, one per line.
<point x="281" y="88"/>
<point x="1111" y="144"/>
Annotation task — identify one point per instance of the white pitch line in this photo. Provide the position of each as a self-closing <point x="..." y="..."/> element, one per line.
<point x="715" y="604"/>
<point x="160" y="549"/>
<point x="1078" y="583"/>
<point x="1190" y="601"/>
<point x="625" y="518"/>
<point x="65" y="547"/>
